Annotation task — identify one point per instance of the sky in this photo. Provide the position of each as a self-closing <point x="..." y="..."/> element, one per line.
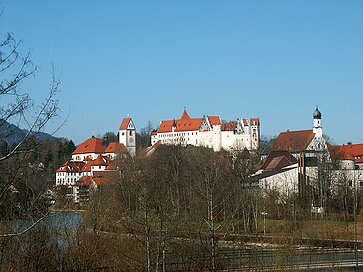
<point x="275" y="60"/>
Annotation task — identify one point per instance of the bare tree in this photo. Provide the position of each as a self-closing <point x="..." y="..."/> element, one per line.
<point x="18" y="107"/>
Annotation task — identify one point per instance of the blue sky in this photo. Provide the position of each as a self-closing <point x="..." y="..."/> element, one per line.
<point x="149" y="59"/>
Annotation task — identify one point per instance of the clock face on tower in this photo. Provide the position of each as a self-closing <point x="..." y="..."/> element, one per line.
<point x="131" y="140"/>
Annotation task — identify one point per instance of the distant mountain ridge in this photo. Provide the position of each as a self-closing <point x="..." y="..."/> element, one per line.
<point x="11" y="134"/>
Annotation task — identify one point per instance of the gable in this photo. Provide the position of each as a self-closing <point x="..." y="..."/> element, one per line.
<point x="131" y="125"/>
<point x="127" y="123"/>
<point x="317" y="144"/>
<point x="205" y="125"/>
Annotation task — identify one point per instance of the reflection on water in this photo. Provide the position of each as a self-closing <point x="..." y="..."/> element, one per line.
<point x="54" y="221"/>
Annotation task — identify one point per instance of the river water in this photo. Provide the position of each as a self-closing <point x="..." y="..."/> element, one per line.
<point x="54" y="221"/>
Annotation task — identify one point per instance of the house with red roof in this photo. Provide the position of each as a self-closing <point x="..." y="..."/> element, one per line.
<point x="290" y="154"/>
<point x="90" y="149"/>
<point x="292" y="164"/>
<point x="208" y="131"/>
<point x="93" y="159"/>
<point x="69" y="173"/>
<point x="86" y="184"/>
<point x="350" y="155"/>
<point x="308" y="142"/>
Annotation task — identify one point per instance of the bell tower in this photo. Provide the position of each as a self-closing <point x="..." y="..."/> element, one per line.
<point x="317" y="128"/>
<point x="127" y="135"/>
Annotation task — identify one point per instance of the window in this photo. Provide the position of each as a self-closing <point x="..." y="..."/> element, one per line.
<point x="123" y="133"/>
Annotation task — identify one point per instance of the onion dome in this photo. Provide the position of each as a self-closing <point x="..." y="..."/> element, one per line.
<point x="317" y="113"/>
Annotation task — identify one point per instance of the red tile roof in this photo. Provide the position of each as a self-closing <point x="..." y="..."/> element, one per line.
<point x="87" y="167"/>
<point x="255" y="121"/>
<point x="152" y="148"/>
<point x="71" y="166"/>
<point x="87" y="180"/>
<point x="347" y="152"/>
<point x="125" y="123"/>
<point x="185" y="115"/>
<point x="230" y="126"/>
<point x="277" y="159"/>
<point x="100" y="181"/>
<point x="91" y="145"/>
<point x="185" y="123"/>
<point x="99" y="161"/>
<point x="245" y="122"/>
<point x="293" y="141"/>
<point x="115" y="147"/>
<point x="214" y="120"/>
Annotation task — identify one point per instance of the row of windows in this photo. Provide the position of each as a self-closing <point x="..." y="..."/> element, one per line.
<point x="67" y="181"/>
<point x="178" y="134"/>
<point x="99" y="167"/>
<point x="69" y="174"/>
<point x="123" y="133"/>
<point x="179" y="140"/>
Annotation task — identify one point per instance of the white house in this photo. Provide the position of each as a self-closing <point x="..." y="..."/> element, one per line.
<point x="69" y="173"/>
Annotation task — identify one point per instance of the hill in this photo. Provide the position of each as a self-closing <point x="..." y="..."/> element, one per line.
<point x="11" y="134"/>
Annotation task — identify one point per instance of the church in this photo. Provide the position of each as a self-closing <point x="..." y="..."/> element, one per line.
<point x="294" y="163"/>
<point x="209" y="131"/>
<point x="92" y="162"/>
<point x="308" y="142"/>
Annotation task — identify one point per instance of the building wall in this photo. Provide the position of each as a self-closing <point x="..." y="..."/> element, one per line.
<point x="66" y="178"/>
<point x="214" y="138"/>
<point x="285" y="183"/>
<point x="82" y="157"/>
<point x="235" y="141"/>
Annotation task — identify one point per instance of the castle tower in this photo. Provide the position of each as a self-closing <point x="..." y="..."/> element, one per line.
<point x="217" y="137"/>
<point x="317" y="128"/>
<point x="127" y="135"/>
<point x="255" y="133"/>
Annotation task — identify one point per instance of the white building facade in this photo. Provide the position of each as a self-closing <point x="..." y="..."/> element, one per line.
<point x="210" y="132"/>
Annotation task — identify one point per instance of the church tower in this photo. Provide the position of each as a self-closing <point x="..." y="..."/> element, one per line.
<point x="317" y="129"/>
<point x="127" y="135"/>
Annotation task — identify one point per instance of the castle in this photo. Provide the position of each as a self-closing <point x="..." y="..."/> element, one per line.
<point x="210" y="132"/>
